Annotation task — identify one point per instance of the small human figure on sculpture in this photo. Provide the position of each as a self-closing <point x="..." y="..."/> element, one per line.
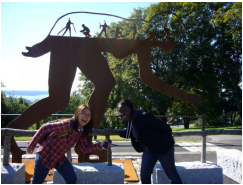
<point x="51" y="153"/>
<point x="152" y="35"/>
<point x="151" y="136"/>
<point x="85" y="31"/>
<point x="134" y="28"/>
<point x="118" y="33"/>
<point x="167" y="33"/>
<point x="103" y="29"/>
<point x="68" y="27"/>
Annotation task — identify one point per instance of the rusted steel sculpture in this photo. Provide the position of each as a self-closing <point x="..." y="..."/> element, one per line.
<point x="68" y="53"/>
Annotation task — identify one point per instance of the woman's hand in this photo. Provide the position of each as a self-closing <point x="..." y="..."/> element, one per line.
<point x="29" y="150"/>
<point x="103" y="142"/>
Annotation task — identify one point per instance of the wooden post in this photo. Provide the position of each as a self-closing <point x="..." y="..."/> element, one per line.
<point x="69" y="155"/>
<point x="6" y="153"/>
<point x="109" y="153"/>
<point x="203" y="153"/>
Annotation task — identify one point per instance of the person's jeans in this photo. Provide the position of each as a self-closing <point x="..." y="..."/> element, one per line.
<point x="40" y="171"/>
<point x="167" y="161"/>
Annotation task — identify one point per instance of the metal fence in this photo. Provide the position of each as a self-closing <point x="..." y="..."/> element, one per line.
<point x="7" y="132"/>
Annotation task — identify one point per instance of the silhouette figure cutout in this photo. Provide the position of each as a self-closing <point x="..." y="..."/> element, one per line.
<point x="167" y="33"/>
<point x="68" y="27"/>
<point x="68" y="53"/>
<point x="85" y="31"/>
<point x="118" y="33"/>
<point x="152" y="35"/>
<point x="104" y="26"/>
<point x="134" y="28"/>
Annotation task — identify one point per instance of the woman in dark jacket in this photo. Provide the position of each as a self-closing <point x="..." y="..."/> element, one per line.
<point x="151" y="136"/>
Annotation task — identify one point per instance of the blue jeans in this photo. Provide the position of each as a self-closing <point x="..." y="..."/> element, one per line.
<point x="167" y="161"/>
<point x="40" y="171"/>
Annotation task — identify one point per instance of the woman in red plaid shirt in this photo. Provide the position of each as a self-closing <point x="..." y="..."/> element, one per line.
<point x="51" y="153"/>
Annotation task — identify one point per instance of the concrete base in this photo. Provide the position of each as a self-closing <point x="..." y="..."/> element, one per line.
<point x="94" y="173"/>
<point x="231" y="162"/>
<point x="14" y="173"/>
<point x="191" y="173"/>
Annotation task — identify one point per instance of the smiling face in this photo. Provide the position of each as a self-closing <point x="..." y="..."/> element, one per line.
<point x="84" y="117"/>
<point x="125" y="112"/>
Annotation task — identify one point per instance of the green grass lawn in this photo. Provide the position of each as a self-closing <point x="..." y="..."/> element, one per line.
<point x="118" y="138"/>
<point x="208" y="128"/>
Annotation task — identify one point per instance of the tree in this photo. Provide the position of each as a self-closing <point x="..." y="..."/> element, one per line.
<point x="11" y="105"/>
<point x="76" y="99"/>
<point x="206" y="60"/>
<point x="227" y="21"/>
<point x="198" y="61"/>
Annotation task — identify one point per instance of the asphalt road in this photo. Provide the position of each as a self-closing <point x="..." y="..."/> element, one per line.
<point x="181" y="146"/>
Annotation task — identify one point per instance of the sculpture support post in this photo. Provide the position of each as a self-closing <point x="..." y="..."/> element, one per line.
<point x="109" y="153"/>
<point x="203" y="154"/>
<point x="6" y="153"/>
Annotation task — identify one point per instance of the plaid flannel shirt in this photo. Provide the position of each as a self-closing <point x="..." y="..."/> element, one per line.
<point x="59" y="145"/>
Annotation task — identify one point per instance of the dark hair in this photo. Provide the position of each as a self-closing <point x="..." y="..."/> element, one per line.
<point x="126" y="102"/>
<point x="87" y="129"/>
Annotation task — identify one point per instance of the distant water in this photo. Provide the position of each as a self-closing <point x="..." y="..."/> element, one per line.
<point x="29" y="95"/>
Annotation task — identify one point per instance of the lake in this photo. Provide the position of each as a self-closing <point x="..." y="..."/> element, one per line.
<point x="29" y="95"/>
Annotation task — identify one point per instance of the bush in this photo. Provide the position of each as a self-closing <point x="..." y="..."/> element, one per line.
<point x="198" y="122"/>
<point x="11" y="105"/>
<point x="237" y="121"/>
<point x="223" y="120"/>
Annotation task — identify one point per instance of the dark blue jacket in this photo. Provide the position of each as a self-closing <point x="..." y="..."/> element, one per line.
<point x="151" y="133"/>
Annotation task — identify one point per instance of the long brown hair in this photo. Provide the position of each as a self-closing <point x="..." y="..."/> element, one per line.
<point x="87" y="129"/>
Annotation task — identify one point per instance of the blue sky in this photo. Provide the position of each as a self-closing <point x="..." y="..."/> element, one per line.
<point x="28" y="23"/>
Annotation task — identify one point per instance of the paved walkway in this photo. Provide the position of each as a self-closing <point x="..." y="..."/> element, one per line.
<point x="187" y="149"/>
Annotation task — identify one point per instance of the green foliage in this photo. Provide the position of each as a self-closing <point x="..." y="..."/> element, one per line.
<point x="11" y="105"/>
<point x="76" y="99"/>
<point x="238" y="121"/>
<point x="206" y="62"/>
<point x="222" y="120"/>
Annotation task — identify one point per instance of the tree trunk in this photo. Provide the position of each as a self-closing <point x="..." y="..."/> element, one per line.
<point x="186" y="123"/>
<point x="231" y="119"/>
<point x="237" y="98"/>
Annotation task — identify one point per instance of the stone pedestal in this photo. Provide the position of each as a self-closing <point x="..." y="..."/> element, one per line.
<point x="13" y="173"/>
<point x="95" y="173"/>
<point x="231" y="162"/>
<point x="191" y="173"/>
